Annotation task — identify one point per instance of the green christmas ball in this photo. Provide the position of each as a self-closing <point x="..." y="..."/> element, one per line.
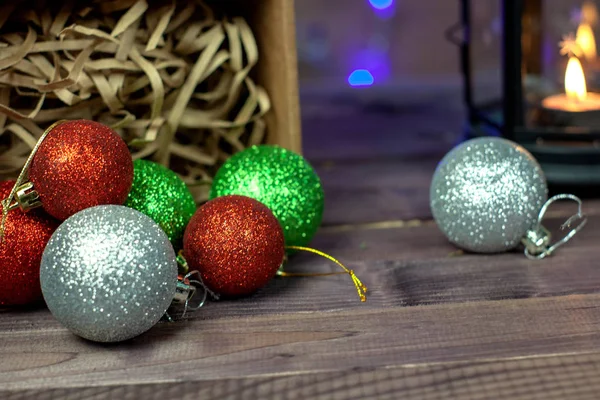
<point x="280" y="179"/>
<point x="160" y="194"/>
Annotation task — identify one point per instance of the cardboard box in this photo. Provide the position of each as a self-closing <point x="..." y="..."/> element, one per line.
<point x="272" y="22"/>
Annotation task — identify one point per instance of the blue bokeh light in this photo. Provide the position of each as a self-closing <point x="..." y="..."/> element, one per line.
<point x="360" y="77"/>
<point x="381" y="4"/>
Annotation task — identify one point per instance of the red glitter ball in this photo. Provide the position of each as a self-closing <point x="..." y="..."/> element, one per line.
<point x="236" y="244"/>
<point x="25" y="237"/>
<point x="81" y="164"/>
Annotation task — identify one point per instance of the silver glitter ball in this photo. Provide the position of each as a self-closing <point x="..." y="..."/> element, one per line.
<point x="486" y="194"/>
<point x="108" y="273"/>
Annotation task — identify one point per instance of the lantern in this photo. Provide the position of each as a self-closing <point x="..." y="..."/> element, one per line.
<point x="532" y="75"/>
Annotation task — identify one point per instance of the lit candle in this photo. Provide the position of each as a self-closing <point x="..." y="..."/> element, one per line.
<point x="576" y="97"/>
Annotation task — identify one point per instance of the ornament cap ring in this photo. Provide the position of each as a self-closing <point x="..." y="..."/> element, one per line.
<point x="26" y="198"/>
<point x="537" y="239"/>
<point x="186" y="291"/>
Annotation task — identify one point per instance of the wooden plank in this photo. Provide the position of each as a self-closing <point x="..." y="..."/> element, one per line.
<point x="415" y="238"/>
<point x="394" y="240"/>
<point x="397" y="188"/>
<point x="426" y="269"/>
<point x="558" y="377"/>
<point x="372" y="131"/>
<point x="372" y="167"/>
<point x="383" y="190"/>
<point x="41" y="355"/>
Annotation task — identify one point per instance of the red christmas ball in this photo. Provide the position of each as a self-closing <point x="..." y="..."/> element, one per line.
<point x="25" y="237"/>
<point x="81" y="164"/>
<point x="236" y="244"/>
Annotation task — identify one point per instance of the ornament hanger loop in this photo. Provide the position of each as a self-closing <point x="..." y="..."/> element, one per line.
<point x="185" y="269"/>
<point x="195" y="284"/>
<point x="537" y="240"/>
<point x="186" y="291"/>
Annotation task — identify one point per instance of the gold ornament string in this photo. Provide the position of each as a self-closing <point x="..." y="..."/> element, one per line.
<point x="7" y="203"/>
<point x="360" y="287"/>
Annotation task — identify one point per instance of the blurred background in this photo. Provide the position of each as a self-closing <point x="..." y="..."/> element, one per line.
<point x="399" y="46"/>
<point x="388" y="64"/>
<point x="371" y="71"/>
<point x="378" y="43"/>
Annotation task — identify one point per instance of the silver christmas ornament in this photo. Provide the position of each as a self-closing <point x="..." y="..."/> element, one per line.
<point x="109" y="273"/>
<point x="488" y="195"/>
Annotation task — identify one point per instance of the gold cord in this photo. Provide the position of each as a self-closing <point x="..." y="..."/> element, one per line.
<point x="360" y="288"/>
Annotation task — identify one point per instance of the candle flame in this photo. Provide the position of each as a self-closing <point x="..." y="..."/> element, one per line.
<point x="586" y="41"/>
<point x="575" y="86"/>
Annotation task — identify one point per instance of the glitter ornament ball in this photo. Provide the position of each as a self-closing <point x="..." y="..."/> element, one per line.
<point x="109" y="273"/>
<point x="160" y="194"/>
<point x="280" y="179"/>
<point x="81" y="164"/>
<point x="236" y="244"/>
<point x="24" y="240"/>
<point x="486" y="194"/>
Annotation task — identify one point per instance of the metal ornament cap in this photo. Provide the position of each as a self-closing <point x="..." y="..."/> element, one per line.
<point x="26" y="198"/>
<point x="537" y="240"/>
<point x="486" y="194"/>
<point x="108" y="273"/>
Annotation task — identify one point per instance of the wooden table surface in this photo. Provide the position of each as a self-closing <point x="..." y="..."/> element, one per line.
<point x="438" y="324"/>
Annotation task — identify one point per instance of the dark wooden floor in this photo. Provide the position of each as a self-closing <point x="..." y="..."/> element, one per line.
<point x="438" y="324"/>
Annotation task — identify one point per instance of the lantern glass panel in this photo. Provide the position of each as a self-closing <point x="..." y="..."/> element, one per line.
<point x="561" y="70"/>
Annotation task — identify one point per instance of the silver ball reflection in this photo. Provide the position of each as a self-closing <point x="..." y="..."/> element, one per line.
<point x="108" y="273"/>
<point x="486" y="193"/>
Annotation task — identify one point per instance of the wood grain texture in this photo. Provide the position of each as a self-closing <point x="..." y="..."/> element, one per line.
<point x="396" y="188"/>
<point x="372" y="165"/>
<point x="302" y="327"/>
<point x="438" y="323"/>
<point x="299" y="326"/>
<point x="302" y="330"/>
<point x="288" y="344"/>
<point x="558" y="377"/>
<point x="417" y="239"/>
<point x="382" y="190"/>
<point x="416" y="266"/>
<point x="372" y="130"/>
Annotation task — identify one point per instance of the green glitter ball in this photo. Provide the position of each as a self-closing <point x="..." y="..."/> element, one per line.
<point x="280" y="179"/>
<point x="160" y="194"/>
